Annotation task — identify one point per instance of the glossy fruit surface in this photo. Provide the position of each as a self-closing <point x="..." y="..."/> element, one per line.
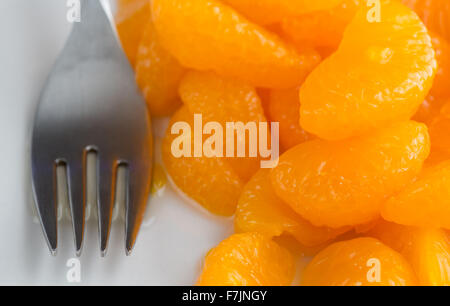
<point x="209" y="35"/>
<point x="370" y="81"/>
<point x="260" y="210"/>
<point x="211" y="182"/>
<point x="441" y="88"/>
<point x="427" y="250"/>
<point x="424" y="203"/>
<point x="434" y="13"/>
<point x="249" y="259"/>
<point x="359" y="262"/>
<point x="214" y="182"/>
<point x="225" y="101"/>
<point x="345" y="183"/>
<point x="440" y="92"/>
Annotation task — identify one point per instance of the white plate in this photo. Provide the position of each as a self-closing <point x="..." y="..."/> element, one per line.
<point x="176" y="235"/>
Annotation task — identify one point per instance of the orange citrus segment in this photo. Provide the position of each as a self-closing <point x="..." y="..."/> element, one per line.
<point x="440" y="92"/>
<point x="158" y="74"/>
<point x="248" y="259"/>
<point x="214" y="182"/>
<point x="427" y="250"/>
<point x="345" y="183"/>
<point x="370" y="81"/>
<point x="260" y="210"/>
<point x="359" y="262"/>
<point x="210" y="181"/>
<point x="434" y="13"/>
<point x="272" y="11"/>
<point x="225" y="101"/>
<point x="424" y="203"/>
<point x="209" y="35"/>
<point x="220" y="99"/>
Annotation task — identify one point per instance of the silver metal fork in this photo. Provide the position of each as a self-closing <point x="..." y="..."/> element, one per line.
<point x="91" y="102"/>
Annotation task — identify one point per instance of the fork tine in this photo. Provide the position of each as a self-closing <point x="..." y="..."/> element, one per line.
<point x="139" y="182"/>
<point x="76" y="180"/>
<point x="106" y="179"/>
<point x="44" y="182"/>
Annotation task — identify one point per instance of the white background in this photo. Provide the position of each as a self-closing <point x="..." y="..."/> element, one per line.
<point x="176" y="236"/>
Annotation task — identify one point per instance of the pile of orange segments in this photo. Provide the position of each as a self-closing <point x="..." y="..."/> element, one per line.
<point x="361" y="92"/>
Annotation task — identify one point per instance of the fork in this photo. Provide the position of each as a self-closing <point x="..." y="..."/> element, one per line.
<point x="91" y="103"/>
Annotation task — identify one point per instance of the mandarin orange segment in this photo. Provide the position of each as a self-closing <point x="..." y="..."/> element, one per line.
<point x="359" y="262"/>
<point x="220" y="99"/>
<point x="131" y="18"/>
<point x="211" y="182"/>
<point x="209" y="35"/>
<point x="427" y="250"/>
<point x="225" y="100"/>
<point x="272" y="11"/>
<point x="344" y="183"/>
<point x="158" y="74"/>
<point x="424" y="203"/>
<point x="431" y="258"/>
<point x="323" y="28"/>
<point x="434" y="13"/>
<point x="283" y="107"/>
<point x="249" y="259"/>
<point x="260" y="210"/>
<point x="379" y="75"/>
